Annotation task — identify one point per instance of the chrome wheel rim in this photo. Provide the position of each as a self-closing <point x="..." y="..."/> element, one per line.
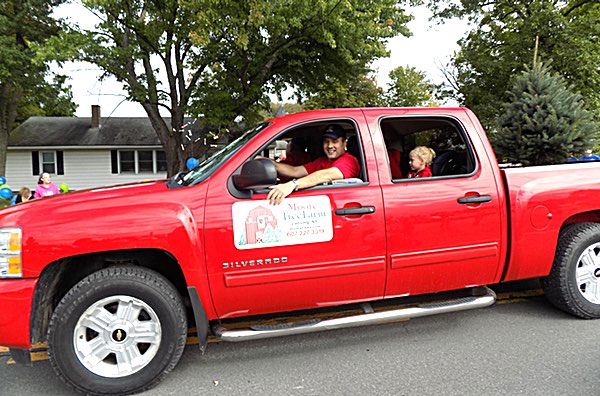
<point x="117" y="336"/>
<point x="587" y="274"/>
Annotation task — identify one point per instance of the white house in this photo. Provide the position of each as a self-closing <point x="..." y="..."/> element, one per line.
<point x="84" y="152"/>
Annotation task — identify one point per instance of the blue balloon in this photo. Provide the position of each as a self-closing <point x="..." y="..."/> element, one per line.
<point x="2" y="180"/>
<point x="5" y="193"/>
<point x="191" y="163"/>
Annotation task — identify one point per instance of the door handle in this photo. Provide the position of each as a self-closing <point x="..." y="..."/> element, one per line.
<point x="475" y="199"/>
<point x="361" y="210"/>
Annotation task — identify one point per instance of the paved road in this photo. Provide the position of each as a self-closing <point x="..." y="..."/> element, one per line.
<point x="516" y="347"/>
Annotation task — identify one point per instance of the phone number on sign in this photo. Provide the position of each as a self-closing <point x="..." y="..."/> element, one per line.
<point x="315" y="231"/>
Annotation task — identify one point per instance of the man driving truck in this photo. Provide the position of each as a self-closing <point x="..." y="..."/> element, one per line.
<point x="337" y="164"/>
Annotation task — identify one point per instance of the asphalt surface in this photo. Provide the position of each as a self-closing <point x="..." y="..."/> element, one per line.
<point x="519" y="346"/>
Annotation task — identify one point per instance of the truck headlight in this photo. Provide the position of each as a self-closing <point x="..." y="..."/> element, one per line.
<point x="10" y="253"/>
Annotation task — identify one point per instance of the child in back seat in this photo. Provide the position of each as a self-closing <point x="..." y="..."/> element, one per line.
<point x="420" y="162"/>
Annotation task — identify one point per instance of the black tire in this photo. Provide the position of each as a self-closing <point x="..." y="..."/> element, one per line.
<point x="579" y="296"/>
<point x="130" y="314"/>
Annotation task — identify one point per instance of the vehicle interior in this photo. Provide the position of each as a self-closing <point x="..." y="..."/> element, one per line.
<point x="454" y="156"/>
<point x="311" y="134"/>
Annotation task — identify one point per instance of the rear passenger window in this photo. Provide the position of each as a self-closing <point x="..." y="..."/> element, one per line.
<point x="437" y="146"/>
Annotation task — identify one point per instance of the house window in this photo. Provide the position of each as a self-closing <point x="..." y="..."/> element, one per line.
<point x="127" y="161"/>
<point x="145" y="161"/>
<point x="161" y="161"/>
<point x="47" y="161"/>
<point x="138" y="161"/>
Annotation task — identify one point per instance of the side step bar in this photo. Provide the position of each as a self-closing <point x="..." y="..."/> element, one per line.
<point x="485" y="298"/>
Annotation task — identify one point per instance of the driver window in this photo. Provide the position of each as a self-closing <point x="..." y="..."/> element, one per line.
<point x="426" y="148"/>
<point x="303" y="144"/>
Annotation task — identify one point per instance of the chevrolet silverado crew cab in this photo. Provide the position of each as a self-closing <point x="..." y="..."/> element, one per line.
<point x="112" y="277"/>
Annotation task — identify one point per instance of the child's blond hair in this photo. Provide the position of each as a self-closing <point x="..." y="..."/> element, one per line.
<point x="426" y="154"/>
<point x="25" y="192"/>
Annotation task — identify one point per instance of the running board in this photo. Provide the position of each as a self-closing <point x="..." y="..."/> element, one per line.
<point x="487" y="298"/>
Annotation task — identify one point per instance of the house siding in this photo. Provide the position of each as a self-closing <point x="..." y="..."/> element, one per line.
<point x="83" y="168"/>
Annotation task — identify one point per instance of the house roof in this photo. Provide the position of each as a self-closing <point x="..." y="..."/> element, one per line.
<point x="76" y="131"/>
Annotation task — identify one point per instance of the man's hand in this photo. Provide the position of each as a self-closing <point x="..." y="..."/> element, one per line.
<point x="279" y="192"/>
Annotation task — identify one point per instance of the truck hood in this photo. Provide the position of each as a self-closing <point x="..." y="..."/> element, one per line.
<point x="146" y="215"/>
<point x="129" y="194"/>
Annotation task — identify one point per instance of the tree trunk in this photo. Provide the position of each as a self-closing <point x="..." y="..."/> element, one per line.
<point x="170" y="140"/>
<point x="3" y="149"/>
<point x="10" y="95"/>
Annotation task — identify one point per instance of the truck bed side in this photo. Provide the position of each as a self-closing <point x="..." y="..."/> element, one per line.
<point x="541" y="201"/>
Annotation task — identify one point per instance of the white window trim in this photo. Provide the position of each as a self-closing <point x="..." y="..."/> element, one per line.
<point x="119" y="162"/>
<point x="41" y="162"/>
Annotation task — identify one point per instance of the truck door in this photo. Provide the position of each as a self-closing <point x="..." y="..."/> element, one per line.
<point x="444" y="232"/>
<point x="322" y="246"/>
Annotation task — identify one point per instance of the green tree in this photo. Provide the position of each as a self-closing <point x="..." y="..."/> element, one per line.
<point x="221" y="59"/>
<point x="503" y="39"/>
<point x="51" y="99"/>
<point x="26" y="86"/>
<point x="409" y="87"/>
<point x="360" y="91"/>
<point x="543" y="122"/>
<point x="276" y="109"/>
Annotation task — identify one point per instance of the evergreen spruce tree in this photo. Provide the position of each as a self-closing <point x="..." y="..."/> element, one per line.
<point x="544" y="122"/>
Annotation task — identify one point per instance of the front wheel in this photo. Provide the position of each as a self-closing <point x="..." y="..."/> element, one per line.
<point x="118" y="331"/>
<point x="574" y="282"/>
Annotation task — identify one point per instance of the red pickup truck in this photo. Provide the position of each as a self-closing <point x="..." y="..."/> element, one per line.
<point x="111" y="277"/>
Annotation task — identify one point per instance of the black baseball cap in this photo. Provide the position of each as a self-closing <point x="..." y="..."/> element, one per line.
<point x="334" y="131"/>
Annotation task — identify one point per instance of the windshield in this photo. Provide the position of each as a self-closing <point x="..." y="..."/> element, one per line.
<point x="206" y="167"/>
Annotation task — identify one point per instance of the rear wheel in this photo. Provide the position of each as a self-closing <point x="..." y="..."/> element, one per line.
<point x="118" y="331"/>
<point x="574" y="282"/>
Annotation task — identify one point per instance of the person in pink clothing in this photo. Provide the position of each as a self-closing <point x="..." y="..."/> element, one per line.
<point x="45" y="187"/>
<point x="420" y="162"/>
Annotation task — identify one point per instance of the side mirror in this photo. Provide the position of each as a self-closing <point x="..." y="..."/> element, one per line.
<point x="256" y="174"/>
